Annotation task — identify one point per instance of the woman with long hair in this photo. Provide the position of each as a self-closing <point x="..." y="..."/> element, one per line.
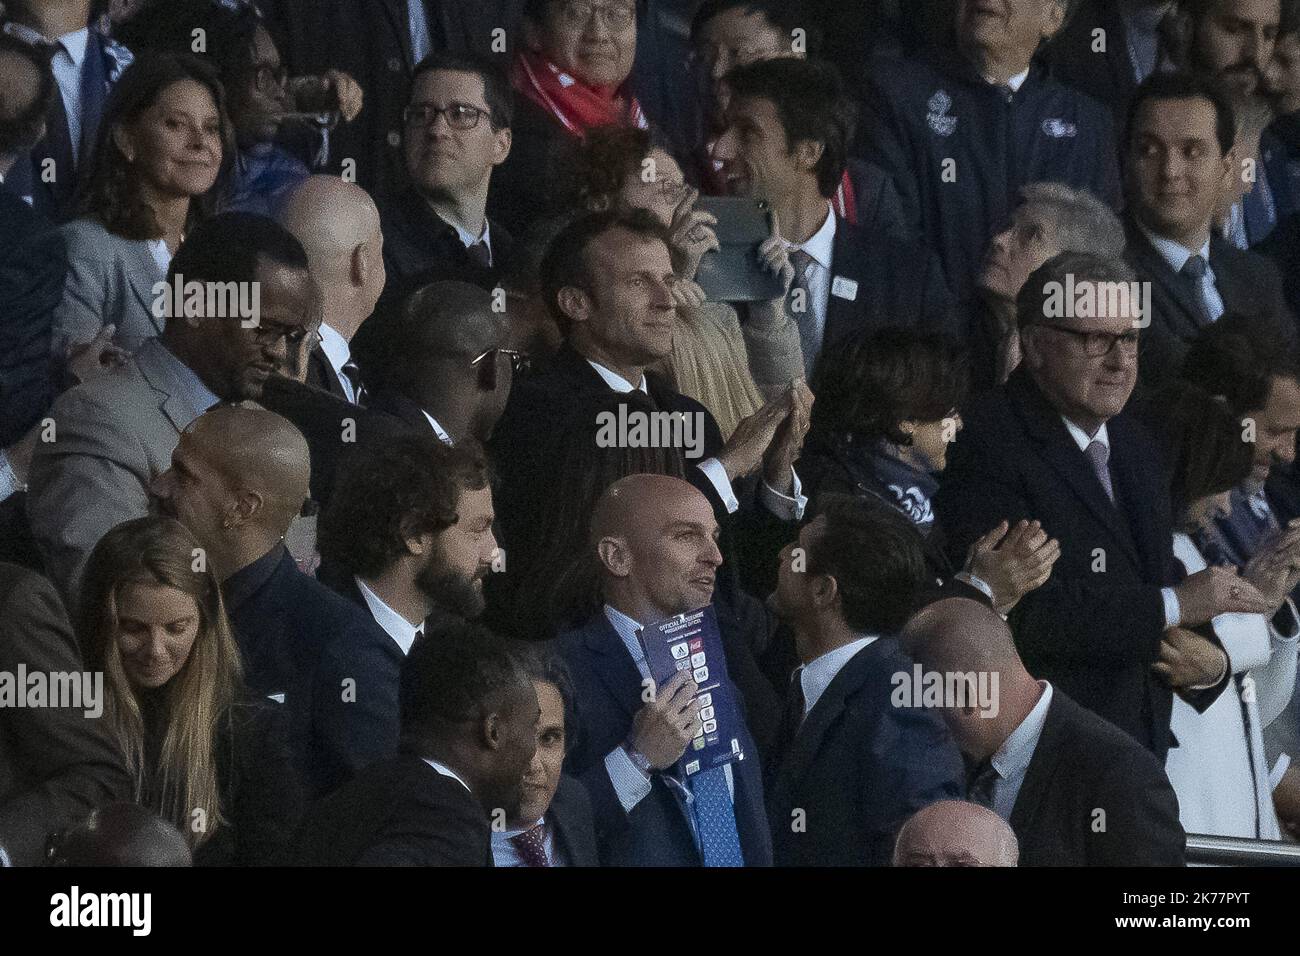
<point x="161" y="146"/>
<point x="202" y="754"/>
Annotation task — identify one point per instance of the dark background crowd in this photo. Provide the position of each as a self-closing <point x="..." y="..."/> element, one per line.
<point x="363" y="578"/>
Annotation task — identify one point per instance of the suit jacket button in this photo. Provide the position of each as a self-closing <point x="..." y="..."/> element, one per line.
<point x="394" y="138"/>
<point x="395" y="64"/>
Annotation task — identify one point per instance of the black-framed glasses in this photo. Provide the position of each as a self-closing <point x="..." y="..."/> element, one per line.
<point x="1097" y="344"/>
<point x="460" y="116"/>
<point x="487" y="370"/>
<point x="617" y="16"/>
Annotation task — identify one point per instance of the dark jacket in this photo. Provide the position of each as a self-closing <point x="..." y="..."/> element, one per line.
<point x="1247" y="281"/>
<point x="607" y="694"/>
<point x="858" y="767"/>
<point x="570" y="816"/>
<point x="1093" y="797"/>
<point x="337" y="668"/>
<point x="56" y="764"/>
<point x="1094" y="628"/>
<point x="542" y="153"/>
<point x="928" y="112"/>
<point x="399" y="812"/>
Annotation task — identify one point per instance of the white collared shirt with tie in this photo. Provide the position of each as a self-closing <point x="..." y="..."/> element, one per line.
<point x="1177" y="255"/>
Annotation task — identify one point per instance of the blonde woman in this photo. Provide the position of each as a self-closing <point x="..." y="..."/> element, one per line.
<point x="202" y="754"/>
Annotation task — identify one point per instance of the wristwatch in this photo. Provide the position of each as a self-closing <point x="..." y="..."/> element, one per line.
<point x="639" y="759"/>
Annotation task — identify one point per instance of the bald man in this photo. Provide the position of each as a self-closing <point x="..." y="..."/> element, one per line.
<point x="1076" y="790"/>
<point x="653" y="545"/>
<point x="338" y="224"/>
<point x="239" y="476"/>
<point x="441" y="363"/>
<point x="955" y="833"/>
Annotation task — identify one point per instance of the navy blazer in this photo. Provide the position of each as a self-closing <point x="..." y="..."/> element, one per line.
<point x="607" y="694"/>
<point x="571" y="821"/>
<point x="337" y="668"/>
<point x="1094" y="628"/>
<point x="859" y="767"/>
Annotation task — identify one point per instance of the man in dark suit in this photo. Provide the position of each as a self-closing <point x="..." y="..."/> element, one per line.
<point x="787" y="134"/>
<point x="1076" y="790"/>
<point x="86" y="65"/>
<point x="456" y="132"/>
<point x="386" y="39"/>
<point x="469" y="731"/>
<point x="439" y="363"/>
<point x="654" y="539"/>
<point x="237" y="481"/>
<point x="852" y="764"/>
<point x="1054" y="444"/>
<point x="338" y="224"/>
<point x="554" y="826"/>
<point x="1178" y="162"/>
<point x="408" y="535"/>
<point x="56" y="763"/>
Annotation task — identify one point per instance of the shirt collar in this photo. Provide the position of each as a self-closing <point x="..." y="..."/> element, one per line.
<point x="1081" y="437"/>
<point x="443" y="769"/>
<point x="1017" y="81"/>
<point x="75" y="44"/>
<point x="626" y="628"/>
<point x="397" y="627"/>
<point x="468" y="238"/>
<point x="821" y="245"/>
<point x="617" y="382"/>
<point x="335" y="347"/>
<point x="245" y="582"/>
<point x="438" y="429"/>
<point x="817" y="675"/>
<point x="505" y="835"/>
<point x="1018" y="749"/>
<point x="1172" y="252"/>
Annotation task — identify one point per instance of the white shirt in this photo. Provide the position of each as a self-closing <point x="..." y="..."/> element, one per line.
<point x="446" y="771"/>
<point x="468" y="238"/>
<point x="438" y="429"/>
<point x="338" y="353"/>
<point x="161" y="254"/>
<point x="820" y="246"/>
<point x="1017" y="81"/>
<point x="1177" y="255"/>
<point x="397" y="627"/>
<point x="504" y="852"/>
<point x="786" y="507"/>
<point x="1173" y="610"/>
<point x="66" y="65"/>
<point x="1012" y="759"/>
<point x="817" y="675"/>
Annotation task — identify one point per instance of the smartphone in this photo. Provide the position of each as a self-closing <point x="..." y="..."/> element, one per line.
<point x="734" y="273"/>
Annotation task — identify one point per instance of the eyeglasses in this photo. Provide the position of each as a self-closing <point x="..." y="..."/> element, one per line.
<point x="616" y="16"/>
<point x="1097" y="344"/>
<point x="267" y="333"/>
<point x="460" y="116"/>
<point x="487" y="370"/>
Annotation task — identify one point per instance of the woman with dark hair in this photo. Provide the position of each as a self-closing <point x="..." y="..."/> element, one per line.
<point x="887" y="407"/>
<point x="161" y="146"/>
<point x="730" y="371"/>
<point x="278" y="121"/>
<point x="1219" y="769"/>
<point x="202" y="754"/>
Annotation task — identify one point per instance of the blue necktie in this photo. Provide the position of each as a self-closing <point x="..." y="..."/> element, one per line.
<point x="715" y="819"/>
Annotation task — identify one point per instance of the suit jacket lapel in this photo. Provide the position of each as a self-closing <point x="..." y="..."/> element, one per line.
<point x="1042" y="766"/>
<point x="613" y="665"/>
<point x="843" y="316"/>
<point x="1189" y="317"/>
<point x="400" y="20"/>
<point x="173" y="403"/>
<point x="142" y="274"/>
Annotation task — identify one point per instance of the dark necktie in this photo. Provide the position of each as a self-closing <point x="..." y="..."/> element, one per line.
<point x="1193" y="273"/>
<point x="980" y="782"/>
<point x="480" y="254"/>
<point x="58" y="142"/>
<point x="353" y="375"/>
<point x="793" y="714"/>
<point x="1099" y="456"/>
<point x="531" y="846"/>
<point x="799" y="306"/>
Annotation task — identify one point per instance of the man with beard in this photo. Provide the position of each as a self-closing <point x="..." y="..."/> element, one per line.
<point x="469" y="731"/>
<point x="239" y="476"/>
<point x="408" y="534"/>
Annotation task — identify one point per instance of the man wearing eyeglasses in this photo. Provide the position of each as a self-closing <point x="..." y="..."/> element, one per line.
<point x="1178" y="161"/>
<point x="456" y="133"/>
<point x="115" y="433"/>
<point x="1056" y="442"/>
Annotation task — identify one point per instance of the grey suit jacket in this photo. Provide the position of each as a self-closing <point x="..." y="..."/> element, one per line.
<point x="56" y="763"/>
<point x="112" y="437"/>
<point x="110" y="281"/>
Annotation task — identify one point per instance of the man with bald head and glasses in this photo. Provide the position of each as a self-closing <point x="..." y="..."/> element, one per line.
<point x="1056" y="442"/>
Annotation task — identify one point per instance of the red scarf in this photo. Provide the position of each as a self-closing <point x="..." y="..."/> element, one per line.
<point x="575" y="105"/>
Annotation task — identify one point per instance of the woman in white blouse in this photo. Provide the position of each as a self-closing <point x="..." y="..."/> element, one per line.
<point x="161" y="147"/>
<point x="1218" y="768"/>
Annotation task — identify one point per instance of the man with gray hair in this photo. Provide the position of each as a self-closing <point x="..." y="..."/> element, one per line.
<point x="956" y="833"/>
<point x="1052" y="218"/>
<point x="1074" y="788"/>
<point x="440" y="362"/>
<point x="1056" y="444"/>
